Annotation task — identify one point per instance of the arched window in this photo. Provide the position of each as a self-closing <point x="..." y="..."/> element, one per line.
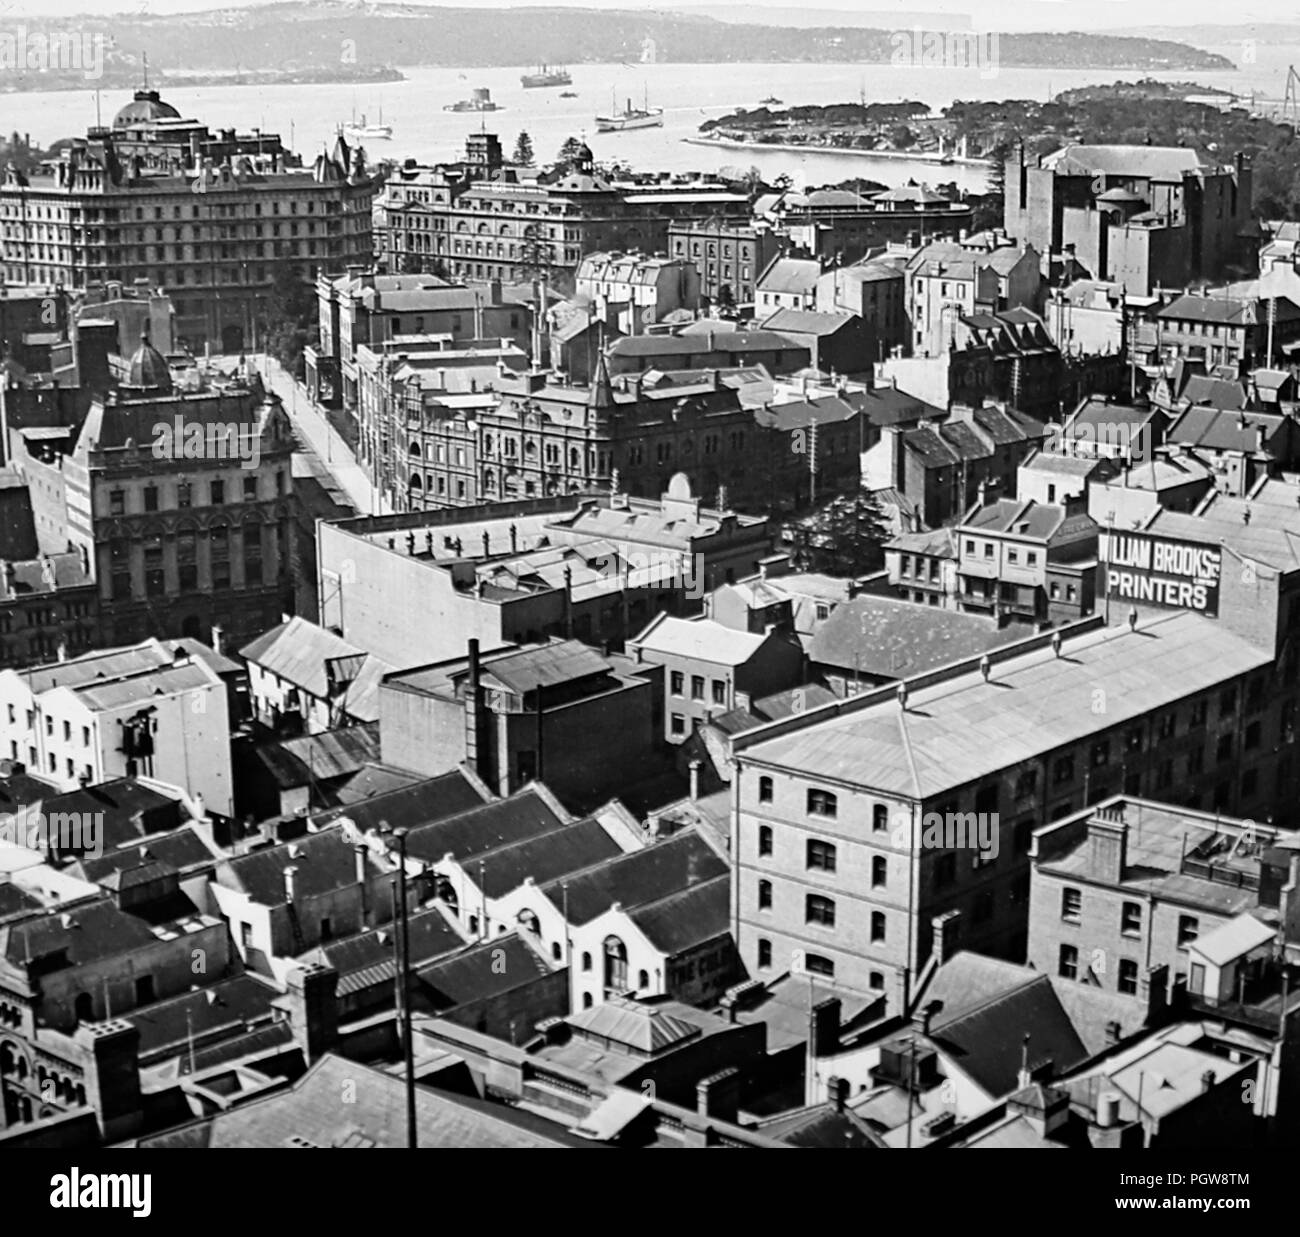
<point x="586" y="962"/>
<point x="414" y="451"/>
<point x="528" y="922"/>
<point x="557" y="954"/>
<point x="615" y="964"/>
<point x="586" y="1000"/>
<point x="643" y="979"/>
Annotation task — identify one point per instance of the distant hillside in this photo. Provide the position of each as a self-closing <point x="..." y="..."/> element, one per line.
<point x="299" y="35"/>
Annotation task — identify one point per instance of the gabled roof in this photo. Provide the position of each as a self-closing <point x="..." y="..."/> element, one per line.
<point x="677" y="863"/>
<point x="808" y="322"/>
<point x="688" y="918"/>
<point x="1162" y="163"/>
<point x="482" y="971"/>
<point x="548" y="665"/>
<point x="546" y="857"/>
<point x="323" y="863"/>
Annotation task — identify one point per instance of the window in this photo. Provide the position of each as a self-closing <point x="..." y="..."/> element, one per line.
<point x="764" y="895"/>
<point x="1223" y="749"/>
<point x="1189" y="928"/>
<point x="218" y="492"/>
<point x="815" y="964"/>
<point x="1100" y="753"/>
<point x="822" y="803"/>
<point x="677" y="724"/>
<point x="586" y="962"/>
<point x="1167" y="725"/>
<point x="821" y="855"/>
<point x="1130" y="919"/>
<point x="1071" y="905"/>
<point x="1063" y="770"/>
<point x="1128" y="976"/>
<point x="250" y="489"/>
<point x="719" y="692"/>
<point x="1252" y="735"/>
<point x="765" y="790"/>
<point x="677" y="683"/>
<point x="764" y="953"/>
<point x="879" y="818"/>
<point x="765" y="839"/>
<point x="1199" y="712"/>
<point x="879" y="871"/>
<point x="818" y="909"/>
<point x="151" y="498"/>
<point x="116" y="502"/>
<point x="1027" y="784"/>
<point x="877" y="928"/>
<point x="697" y="687"/>
<point x="1068" y="967"/>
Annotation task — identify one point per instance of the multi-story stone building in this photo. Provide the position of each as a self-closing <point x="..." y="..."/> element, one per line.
<point x="1131" y="893"/>
<point x="183" y="501"/>
<point x="477" y="219"/>
<point x="866" y="829"/>
<point x="1142" y="216"/>
<point x="730" y="256"/>
<point x="215" y="219"/>
<point x="48" y="605"/>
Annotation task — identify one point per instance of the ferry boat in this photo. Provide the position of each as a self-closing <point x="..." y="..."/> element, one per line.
<point x="480" y="100"/>
<point x="546" y="75"/>
<point x="630" y="117"/>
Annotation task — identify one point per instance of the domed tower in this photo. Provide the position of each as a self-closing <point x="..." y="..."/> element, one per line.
<point x="146" y="106"/>
<point x="149" y="371"/>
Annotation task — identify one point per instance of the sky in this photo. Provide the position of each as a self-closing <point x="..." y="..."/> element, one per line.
<point x="983" y="14"/>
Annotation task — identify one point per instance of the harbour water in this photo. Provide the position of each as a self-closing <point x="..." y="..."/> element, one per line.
<point x="308" y="116"/>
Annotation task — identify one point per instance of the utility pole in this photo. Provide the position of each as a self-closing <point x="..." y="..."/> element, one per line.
<point x="403" y="943"/>
<point x="812" y="462"/>
<point x="1272" y="319"/>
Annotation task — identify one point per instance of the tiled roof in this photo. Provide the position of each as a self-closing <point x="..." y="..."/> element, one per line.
<point x="988" y="1041"/>
<point x="482" y="971"/>
<point x="963" y="728"/>
<point x="424" y="801"/>
<point x="323" y="863"/>
<point x="641" y="876"/>
<point x="688" y="918"/>
<point x="546" y="857"/>
<point x="526" y="814"/>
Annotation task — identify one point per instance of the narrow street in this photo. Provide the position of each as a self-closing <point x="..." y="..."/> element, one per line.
<point x="321" y="437"/>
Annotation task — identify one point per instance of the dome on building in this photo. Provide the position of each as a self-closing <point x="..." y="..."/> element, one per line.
<point x="149" y="369"/>
<point x="147" y="105"/>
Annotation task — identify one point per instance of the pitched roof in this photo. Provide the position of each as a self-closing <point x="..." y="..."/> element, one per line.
<point x="884" y="637"/>
<point x="644" y="1028"/>
<point x="678" y="862"/>
<point x="545" y="857"/>
<point x="702" y="639"/>
<point x="424" y="801"/>
<point x="548" y="665"/>
<point x="988" y="1041"/>
<point x="323" y="862"/>
<point x="321" y="757"/>
<point x="687" y="918"/>
<point x="525" y="814"/>
<point x="297" y="651"/>
<point x="796" y="276"/>
<point x="962" y="728"/>
<point x="482" y="971"/>
<point x="1162" y="163"/>
<point x="807" y="322"/>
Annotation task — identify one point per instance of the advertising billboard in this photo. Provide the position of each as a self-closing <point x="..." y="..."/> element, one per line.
<point x="1162" y="571"/>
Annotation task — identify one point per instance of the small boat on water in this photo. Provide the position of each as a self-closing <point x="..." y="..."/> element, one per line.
<point x="630" y="117"/>
<point x="480" y="100"/>
<point x="546" y="75"/>
<point x="771" y="101"/>
<point x="568" y="94"/>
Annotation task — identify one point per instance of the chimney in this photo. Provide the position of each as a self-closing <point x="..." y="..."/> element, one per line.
<point x="216" y="637"/>
<point x="1107" y="846"/>
<point x="1207" y="1080"/>
<point x="986" y="667"/>
<point x="838" y="1092"/>
<point x="359" y="854"/>
<point x="1056" y="643"/>
<point x="475" y="723"/>
<point x="289" y="874"/>
<point x="695" y="781"/>
<point x="946" y="928"/>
